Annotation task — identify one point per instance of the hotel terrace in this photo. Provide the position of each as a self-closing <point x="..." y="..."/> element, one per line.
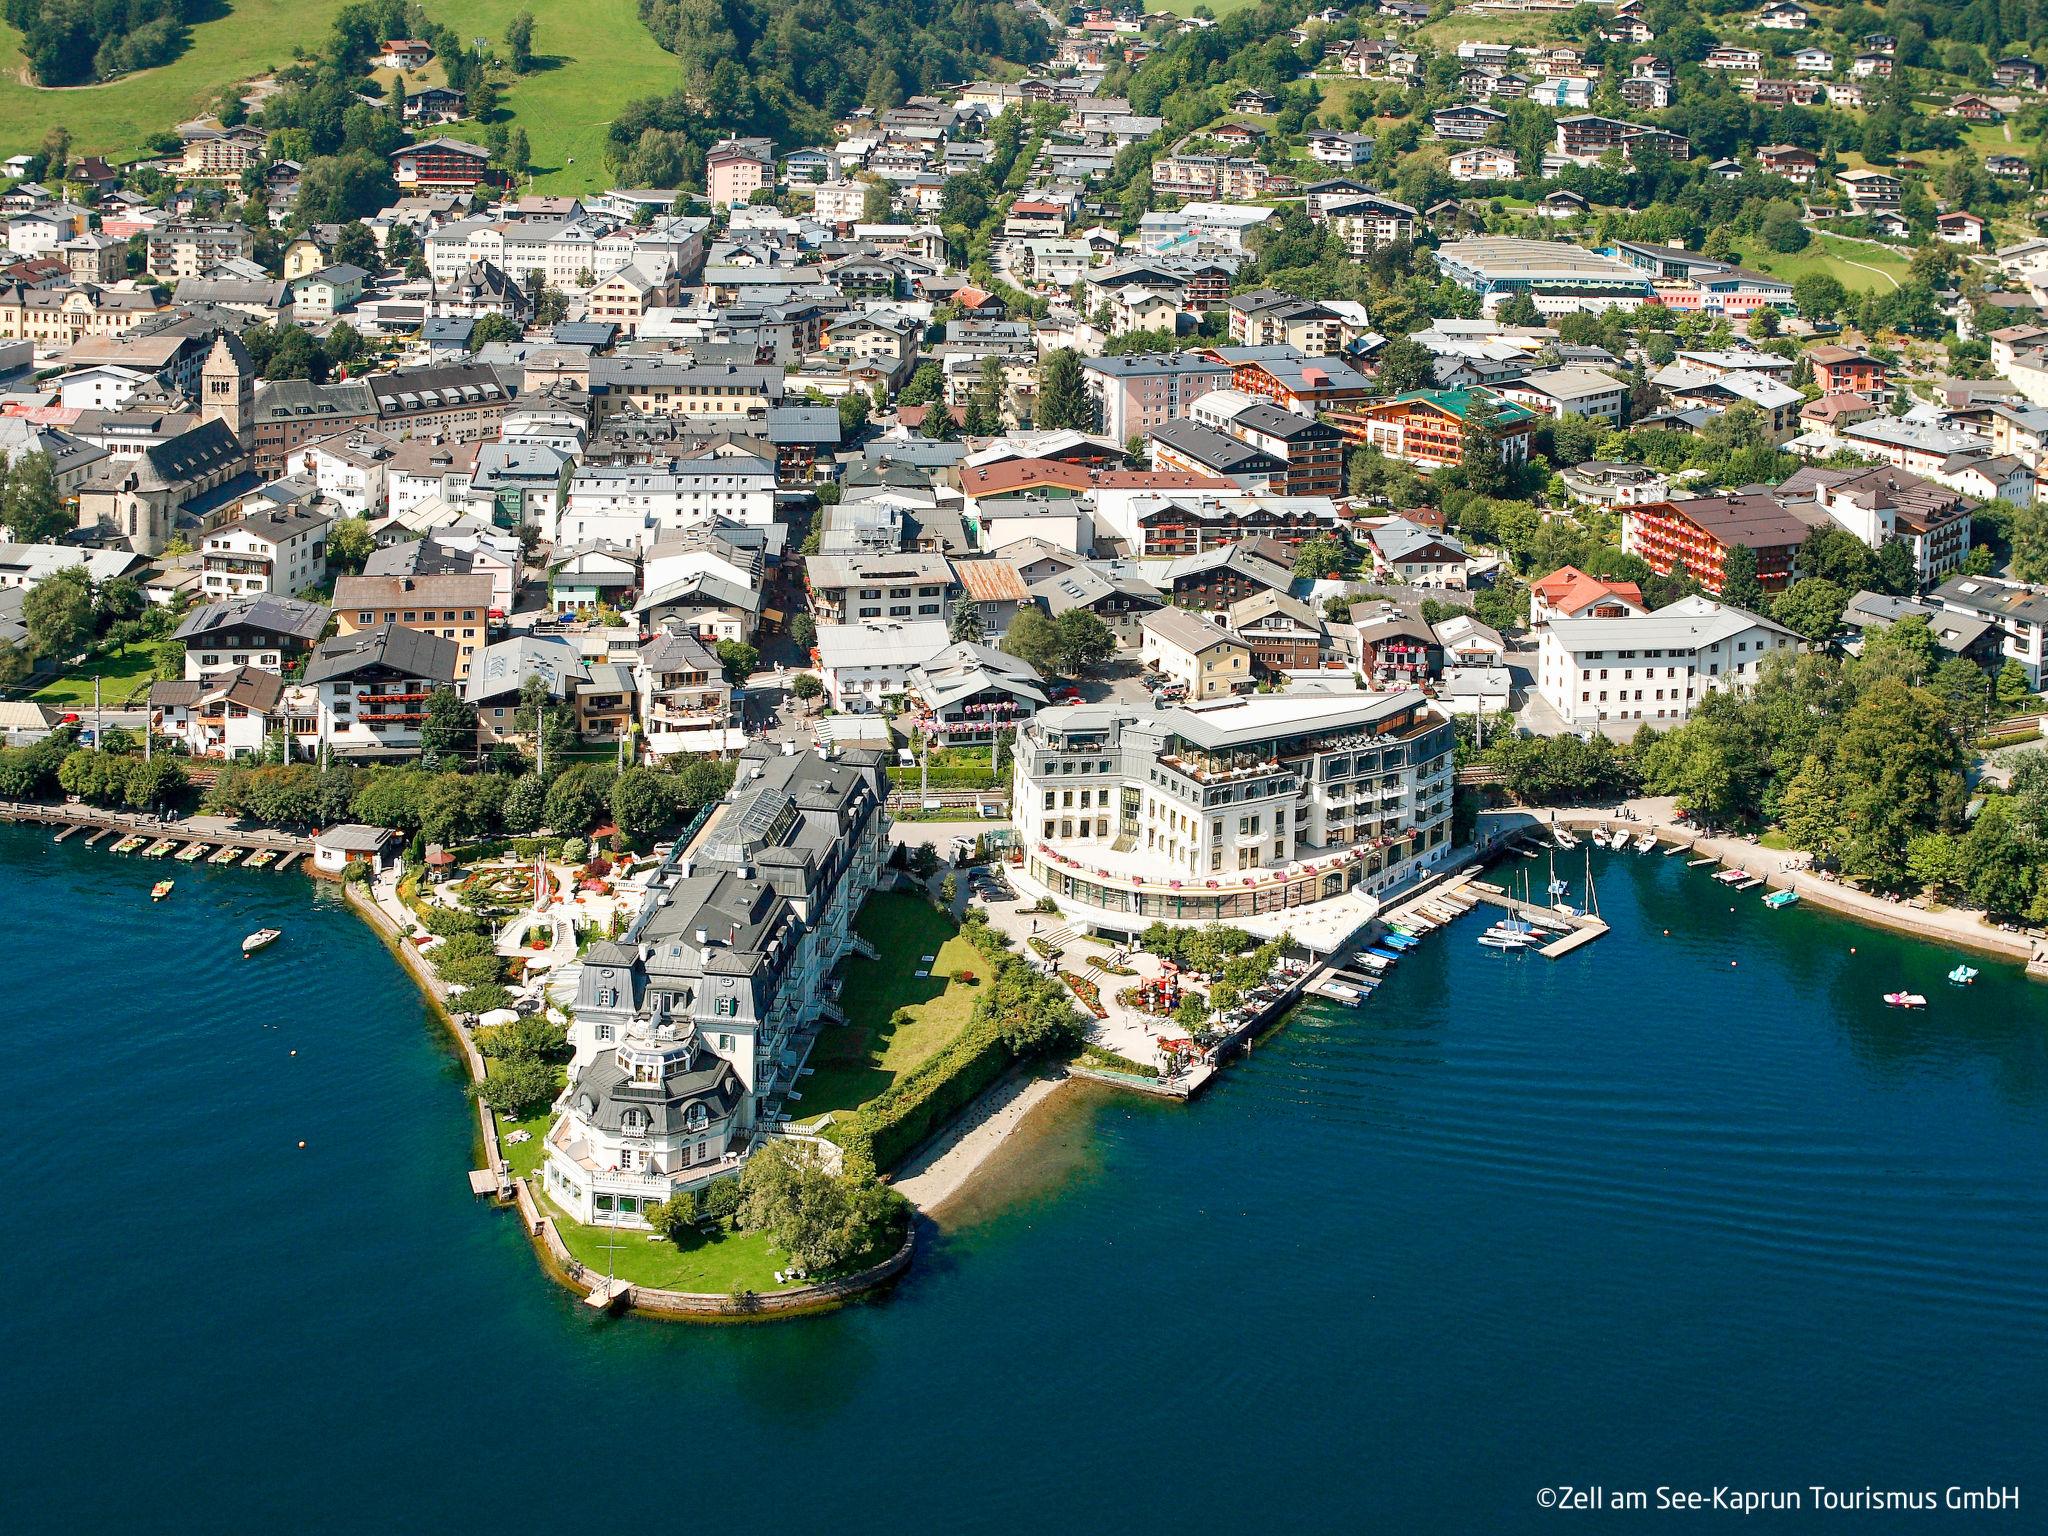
<point x="1264" y="810"/>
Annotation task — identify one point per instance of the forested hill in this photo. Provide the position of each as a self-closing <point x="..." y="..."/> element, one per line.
<point x="73" y="42"/>
<point x="792" y="70"/>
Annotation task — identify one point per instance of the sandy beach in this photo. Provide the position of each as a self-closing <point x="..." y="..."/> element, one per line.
<point x="942" y="1170"/>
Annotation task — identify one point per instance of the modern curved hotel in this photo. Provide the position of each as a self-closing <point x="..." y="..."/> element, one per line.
<point x="1273" y="811"/>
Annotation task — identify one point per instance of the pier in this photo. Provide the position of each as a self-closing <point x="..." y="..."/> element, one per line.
<point x="209" y="835"/>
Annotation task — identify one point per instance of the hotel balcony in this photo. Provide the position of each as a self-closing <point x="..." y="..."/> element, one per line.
<point x="1208" y="769"/>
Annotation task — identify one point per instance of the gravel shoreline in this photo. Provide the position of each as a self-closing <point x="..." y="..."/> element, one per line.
<point x="943" y="1169"/>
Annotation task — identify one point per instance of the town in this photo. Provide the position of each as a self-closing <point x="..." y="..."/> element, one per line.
<point x="1111" y="529"/>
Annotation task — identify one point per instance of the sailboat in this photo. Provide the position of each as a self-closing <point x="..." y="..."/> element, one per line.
<point x="1512" y="932"/>
<point x="1558" y="888"/>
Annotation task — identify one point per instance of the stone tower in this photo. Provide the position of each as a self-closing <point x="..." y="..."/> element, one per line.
<point x="227" y="386"/>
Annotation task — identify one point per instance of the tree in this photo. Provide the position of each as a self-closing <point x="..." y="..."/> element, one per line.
<point x="1900" y="772"/>
<point x="1520" y="309"/>
<point x="1486" y="470"/>
<point x="738" y="659"/>
<point x="1323" y="555"/>
<point x="938" y="425"/>
<point x="58" y="613"/>
<point x="1062" y="399"/>
<point x="575" y="802"/>
<point x="1818" y="296"/>
<point x="1405" y="364"/>
<point x="967" y="626"/>
<point x="803" y="630"/>
<point x="520" y="1087"/>
<point x="853" y="414"/>
<point x="1812" y="607"/>
<point x="1739" y="584"/>
<point x="819" y="1219"/>
<point x="1032" y="639"/>
<point x="548" y="722"/>
<point x="1810" y="811"/>
<point x="350" y="543"/>
<point x="878" y="202"/>
<point x="29" y="504"/>
<point x="1082" y="641"/>
<point x="806" y="687"/>
<point x="449" y="729"/>
<point x="519" y="40"/>
<point x="642" y="803"/>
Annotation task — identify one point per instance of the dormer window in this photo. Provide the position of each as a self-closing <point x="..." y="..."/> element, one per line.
<point x="699" y="1117"/>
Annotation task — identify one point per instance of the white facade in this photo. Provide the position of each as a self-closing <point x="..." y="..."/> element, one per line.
<point x="637" y="505"/>
<point x="1652" y="667"/>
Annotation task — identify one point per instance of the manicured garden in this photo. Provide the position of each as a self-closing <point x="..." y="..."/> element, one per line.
<point x="717" y="1262"/>
<point x="895" y="1018"/>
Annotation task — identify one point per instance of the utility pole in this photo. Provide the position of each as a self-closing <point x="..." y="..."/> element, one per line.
<point x="97" y="732"/>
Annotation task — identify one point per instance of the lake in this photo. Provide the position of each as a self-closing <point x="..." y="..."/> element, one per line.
<point x="1690" y="1210"/>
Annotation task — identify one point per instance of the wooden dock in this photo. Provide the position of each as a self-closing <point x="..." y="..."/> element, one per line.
<point x="65" y="833"/>
<point x="605" y="1295"/>
<point x="94" y="839"/>
<point x="1569" y="930"/>
<point x="287" y="861"/>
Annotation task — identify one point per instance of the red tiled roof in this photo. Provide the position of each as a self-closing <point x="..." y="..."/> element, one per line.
<point x="1570" y="589"/>
<point x="1021" y="474"/>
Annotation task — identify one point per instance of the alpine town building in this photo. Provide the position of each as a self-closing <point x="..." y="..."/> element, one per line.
<point x="691" y="1028"/>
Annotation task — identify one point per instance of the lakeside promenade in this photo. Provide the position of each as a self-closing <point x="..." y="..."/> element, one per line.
<point x="1787" y="869"/>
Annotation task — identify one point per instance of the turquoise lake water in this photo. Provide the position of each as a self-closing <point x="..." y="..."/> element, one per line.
<point x="1637" y="1217"/>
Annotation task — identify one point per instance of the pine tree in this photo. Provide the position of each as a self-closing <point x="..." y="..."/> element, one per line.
<point x="1739" y="584"/>
<point x="967" y="626"/>
<point x="1062" y="402"/>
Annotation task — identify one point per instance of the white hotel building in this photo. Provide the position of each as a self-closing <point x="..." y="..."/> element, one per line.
<point x="691" y="1028"/>
<point x="1253" y="810"/>
<point x="639" y="505"/>
<point x="1652" y="667"/>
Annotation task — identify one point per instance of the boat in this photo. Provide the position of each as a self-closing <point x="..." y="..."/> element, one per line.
<point x="227" y="853"/>
<point x="191" y="853"/>
<point x="1563" y="838"/>
<point x="258" y="859"/>
<point x="1730" y="876"/>
<point x="1502" y="938"/>
<point x="128" y="845"/>
<point x="1646" y="843"/>
<point x="161" y="889"/>
<point x="1778" y="899"/>
<point x="1398" y="942"/>
<point x="159" y="848"/>
<point x="1963" y="975"/>
<point x="262" y="938"/>
<point x="1905" y="1000"/>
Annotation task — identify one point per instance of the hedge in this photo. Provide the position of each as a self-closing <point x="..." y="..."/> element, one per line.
<point x="893" y="1124"/>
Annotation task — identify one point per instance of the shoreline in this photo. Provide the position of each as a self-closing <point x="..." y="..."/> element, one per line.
<point x="508" y="1193"/>
<point x="943" y="1168"/>
<point x="1940" y="925"/>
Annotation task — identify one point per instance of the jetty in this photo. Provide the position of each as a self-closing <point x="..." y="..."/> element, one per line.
<point x="1568" y="930"/>
<point x="66" y="833"/>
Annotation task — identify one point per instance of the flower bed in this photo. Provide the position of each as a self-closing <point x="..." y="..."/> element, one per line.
<point x="1086" y="990"/>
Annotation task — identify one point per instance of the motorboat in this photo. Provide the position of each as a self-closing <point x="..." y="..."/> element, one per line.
<point x="1963" y="975"/>
<point x="262" y="938"/>
<point x="1500" y="937"/>
<point x="1646" y="842"/>
<point x="1780" y="899"/>
<point x="1905" y="1000"/>
<point x="161" y="889"/>
<point x="1563" y="837"/>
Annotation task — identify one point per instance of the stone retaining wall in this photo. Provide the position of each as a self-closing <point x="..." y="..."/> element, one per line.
<point x="700" y="1306"/>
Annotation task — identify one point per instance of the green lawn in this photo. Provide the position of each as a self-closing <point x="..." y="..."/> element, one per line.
<point x="717" y="1263"/>
<point x="1858" y="267"/>
<point x="596" y="57"/>
<point x="1463" y="26"/>
<point x="121" y="678"/>
<point x="862" y="1057"/>
<point x="523" y="1157"/>
<point x="1216" y="8"/>
<point x="251" y="38"/>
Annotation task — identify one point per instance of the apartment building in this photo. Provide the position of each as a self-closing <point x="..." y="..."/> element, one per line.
<point x="281" y="550"/>
<point x="1652" y="667"/>
<point x="455" y="608"/>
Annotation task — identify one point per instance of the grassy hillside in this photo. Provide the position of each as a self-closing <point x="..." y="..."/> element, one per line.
<point x="1859" y="266"/>
<point x="595" y="57"/>
<point x="114" y="119"/>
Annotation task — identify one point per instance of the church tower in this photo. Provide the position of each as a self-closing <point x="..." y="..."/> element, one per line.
<point x="227" y="387"/>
